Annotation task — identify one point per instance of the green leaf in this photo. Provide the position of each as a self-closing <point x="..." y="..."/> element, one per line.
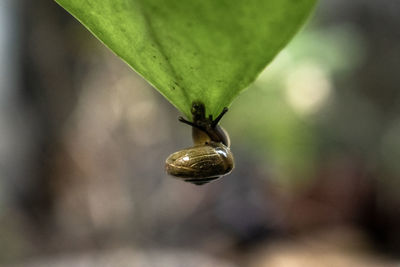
<point x="194" y="50"/>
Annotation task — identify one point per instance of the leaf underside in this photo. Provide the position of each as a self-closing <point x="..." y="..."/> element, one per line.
<point x="194" y="50"/>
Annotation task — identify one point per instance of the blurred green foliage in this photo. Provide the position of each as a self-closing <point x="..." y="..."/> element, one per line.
<point x="277" y="117"/>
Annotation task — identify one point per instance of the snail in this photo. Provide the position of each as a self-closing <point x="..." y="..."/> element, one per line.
<point x="210" y="158"/>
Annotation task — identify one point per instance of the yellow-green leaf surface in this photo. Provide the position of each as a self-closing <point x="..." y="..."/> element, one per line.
<point x="194" y="50"/>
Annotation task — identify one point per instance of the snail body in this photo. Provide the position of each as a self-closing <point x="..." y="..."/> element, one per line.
<point x="210" y="158"/>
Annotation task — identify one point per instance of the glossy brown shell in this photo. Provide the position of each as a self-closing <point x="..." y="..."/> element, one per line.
<point x="200" y="164"/>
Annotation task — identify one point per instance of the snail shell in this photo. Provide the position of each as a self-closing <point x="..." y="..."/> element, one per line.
<point x="200" y="164"/>
<point x="210" y="158"/>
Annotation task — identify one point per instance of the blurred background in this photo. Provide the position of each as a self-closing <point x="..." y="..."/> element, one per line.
<point x="316" y="139"/>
